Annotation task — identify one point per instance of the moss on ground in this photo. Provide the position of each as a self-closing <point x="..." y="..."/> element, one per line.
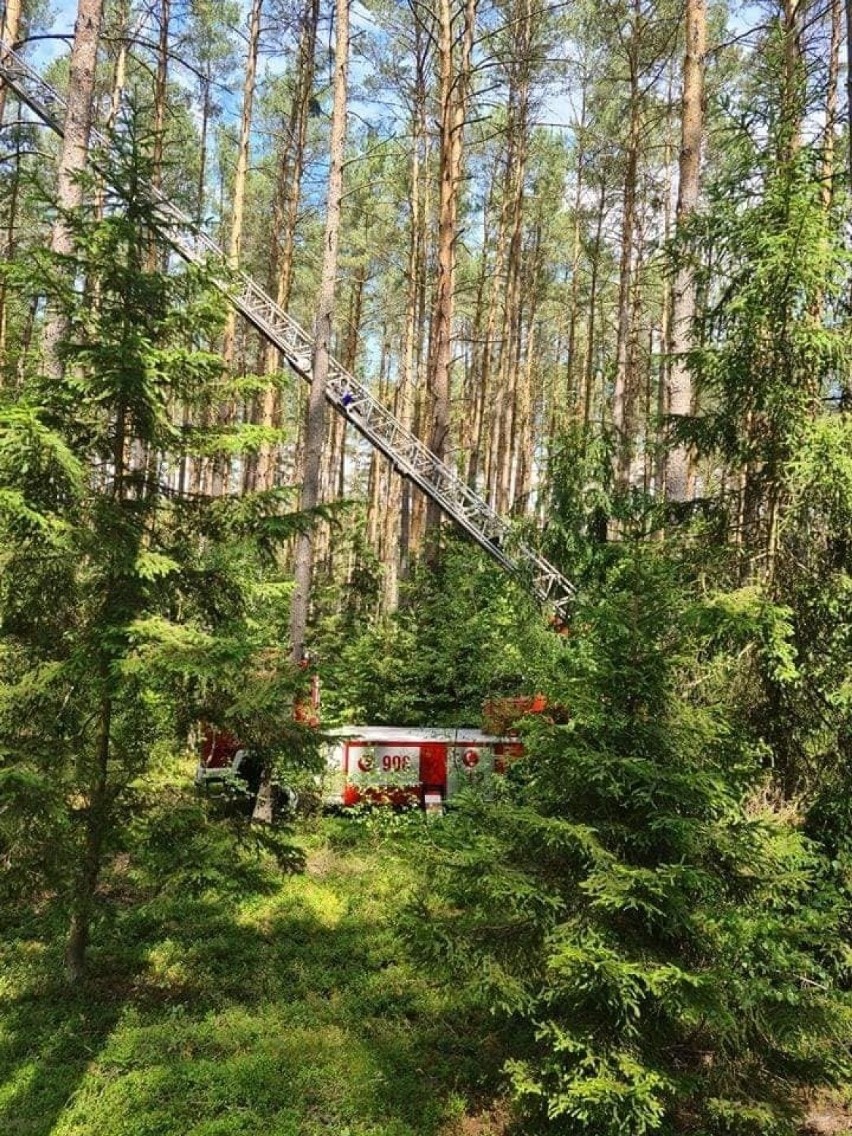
<point x="232" y="995"/>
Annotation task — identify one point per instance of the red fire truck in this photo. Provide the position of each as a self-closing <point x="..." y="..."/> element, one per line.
<point x="393" y="765"/>
<point x="399" y="765"/>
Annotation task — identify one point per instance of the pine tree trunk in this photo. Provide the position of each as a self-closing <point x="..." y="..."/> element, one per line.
<point x="624" y="396"/>
<point x="575" y="366"/>
<point x="285" y="218"/>
<point x="500" y="294"/>
<point x="440" y="346"/>
<point x="589" y="378"/>
<point x="660" y="407"/>
<point x="98" y="798"/>
<point x="205" y="82"/>
<point x="474" y="385"/>
<point x="235" y="242"/>
<point x="8" y="254"/>
<point x="161" y="84"/>
<point x="795" y="79"/>
<point x="119" y="73"/>
<point x="415" y="294"/>
<point x="227" y="412"/>
<point x="510" y="358"/>
<point x="453" y="102"/>
<point x="9" y="30"/>
<point x="828" y="145"/>
<point x="683" y="297"/>
<point x="73" y="156"/>
<point x="315" y="421"/>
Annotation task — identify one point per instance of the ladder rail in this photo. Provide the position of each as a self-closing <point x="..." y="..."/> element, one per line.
<point x="349" y="397"/>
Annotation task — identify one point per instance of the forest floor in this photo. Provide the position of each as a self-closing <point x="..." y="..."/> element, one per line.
<point x="246" y="992"/>
<point x="251" y="986"/>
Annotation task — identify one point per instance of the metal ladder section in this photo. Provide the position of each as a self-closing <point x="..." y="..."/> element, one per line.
<point x="350" y="398"/>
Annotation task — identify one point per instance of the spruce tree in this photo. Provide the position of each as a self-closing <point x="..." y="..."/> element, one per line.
<point x="657" y="942"/>
<point x="125" y="603"/>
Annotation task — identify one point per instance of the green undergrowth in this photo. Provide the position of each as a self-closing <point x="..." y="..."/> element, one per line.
<point x="241" y="990"/>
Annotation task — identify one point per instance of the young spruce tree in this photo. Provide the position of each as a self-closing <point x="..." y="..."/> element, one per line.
<point x="659" y="945"/>
<point x="124" y="603"/>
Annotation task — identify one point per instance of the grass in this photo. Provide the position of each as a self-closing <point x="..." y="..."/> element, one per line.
<point x="242" y="991"/>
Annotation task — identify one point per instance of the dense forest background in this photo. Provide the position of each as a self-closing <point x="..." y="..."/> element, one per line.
<point x="596" y="257"/>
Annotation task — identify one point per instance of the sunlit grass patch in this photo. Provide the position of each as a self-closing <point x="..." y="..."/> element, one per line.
<point x="276" y="1004"/>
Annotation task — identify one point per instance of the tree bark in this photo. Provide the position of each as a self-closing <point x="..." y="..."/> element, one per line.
<point x="589" y="375"/>
<point x="9" y="29"/>
<point x="679" y="395"/>
<point x="625" y="394"/>
<point x="315" y="420"/>
<point x="73" y="156"/>
<point x="161" y="83"/>
<point x="795" y="79"/>
<point x="509" y="411"/>
<point x="415" y="292"/>
<point x="575" y="371"/>
<point x="8" y="253"/>
<point x="235" y="242"/>
<point x="291" y="166"/>
<point x="453" y="85"/>
<point x="828" y="145"/>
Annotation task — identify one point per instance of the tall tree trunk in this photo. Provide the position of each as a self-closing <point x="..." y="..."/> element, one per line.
<point x="9" y="30"/>
<point x="474" y="385"/>
<point x="575" y="368"/>
<point x="828" y="143"/>
<point x="291" y="164"/>
<point x="161" y="84"/>
<point x="315" y="421"/>
<point x="235" y="242"/>
<point x="625" y="394"/>
<point x="415" y="290"/>
<point x="589" y="377"/>
<point x="292" y="158"/>
<point x="510" y="359"/>
<point x="227" y="411"/>
<point x="679" y="394"/>
<point x="8" y="253"/>
<point x="125" y="37"/>
<point x="454" y="82"/>
<point x="205" y="85"/>
<point x="73" y="156"/>
<point x="793" y="95"/>
<point x="97" y="811"/>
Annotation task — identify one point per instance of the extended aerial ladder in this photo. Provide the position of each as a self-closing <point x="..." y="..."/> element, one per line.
<point x="349" y="397"/>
